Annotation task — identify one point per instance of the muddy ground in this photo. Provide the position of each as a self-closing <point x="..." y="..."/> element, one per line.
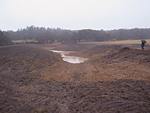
<point x="115" y="79"/>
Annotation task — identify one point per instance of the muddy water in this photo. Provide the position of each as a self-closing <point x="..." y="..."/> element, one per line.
<point x="70" y="59"/>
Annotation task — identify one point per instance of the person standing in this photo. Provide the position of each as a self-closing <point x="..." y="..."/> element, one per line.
<point x="143" y="42"/>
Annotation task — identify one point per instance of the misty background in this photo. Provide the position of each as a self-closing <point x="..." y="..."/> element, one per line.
<point x="75" y="14"/>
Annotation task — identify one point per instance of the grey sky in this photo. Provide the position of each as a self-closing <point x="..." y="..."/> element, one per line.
<point x="75" y="14"/>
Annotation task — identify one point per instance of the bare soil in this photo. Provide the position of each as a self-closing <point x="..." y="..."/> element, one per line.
<point x="114" y="80"/>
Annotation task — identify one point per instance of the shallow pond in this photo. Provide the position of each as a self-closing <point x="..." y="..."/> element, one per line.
<point x="70" y="59"/>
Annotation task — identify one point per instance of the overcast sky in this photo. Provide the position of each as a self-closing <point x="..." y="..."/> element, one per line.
<point x="75" y="14"/>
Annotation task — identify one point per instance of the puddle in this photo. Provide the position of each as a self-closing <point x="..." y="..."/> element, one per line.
<point x="70" y="59"/>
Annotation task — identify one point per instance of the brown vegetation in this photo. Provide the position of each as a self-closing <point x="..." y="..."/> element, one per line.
<point x="114" y="80"/>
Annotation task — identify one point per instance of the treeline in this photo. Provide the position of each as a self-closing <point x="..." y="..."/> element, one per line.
<point x="48" y="35"/>
<point x="4" y="40"/>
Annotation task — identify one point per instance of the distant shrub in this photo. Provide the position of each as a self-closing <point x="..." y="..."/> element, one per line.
<point x="3" y="39"/>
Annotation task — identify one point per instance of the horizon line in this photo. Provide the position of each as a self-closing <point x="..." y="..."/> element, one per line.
<point x="6" y="30"/>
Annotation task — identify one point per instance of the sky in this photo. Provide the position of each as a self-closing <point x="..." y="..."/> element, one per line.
<point x="75" y="14"/>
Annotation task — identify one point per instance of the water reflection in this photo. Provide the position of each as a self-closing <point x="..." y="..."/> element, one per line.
<point x="70" y="59"/>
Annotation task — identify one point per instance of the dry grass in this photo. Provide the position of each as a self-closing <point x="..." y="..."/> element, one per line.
<point x="121" y="42"/>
